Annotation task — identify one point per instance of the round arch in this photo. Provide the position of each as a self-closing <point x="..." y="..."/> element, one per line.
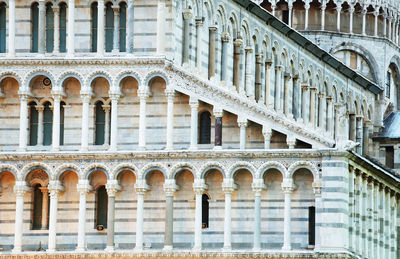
<point x="271" y="165"/>
<point x="303" y="165"/>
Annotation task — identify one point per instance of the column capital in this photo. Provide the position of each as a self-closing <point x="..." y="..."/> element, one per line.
<point x="112" y="187"/>
<point x="258" y="186"/>
<point x="106" y="107"/>
<point x="238" y="42"/>
<point x="225" y="37"/>
<point x="279" y="67"/>
<point x="141" y="187"/>
<point x="56" y="10"/>
<point x="39" y="107"/>
<point x="242" y="122"/>
<point x="199" y="186"/>
<point x="55" y="188"/>
<point x="291" y="141"/>
<point x="20" y="188"/>
<point x="228" y="186"/>
<point x="116" y="9"/>
<point x="287" y="185"/>
<point x="199" y="21"/>
<point x="218" y="111"/>
<point x="193" y="102"/>
<point x="317" y="187"/>
<point x="187" y="14"/>
<point x="24" y="94"/>
<point x="248" y="49"/>
<point x="213" y="28"/>
<point x="266" y="131"/>
<point x="305" y="85"/>
<point x="170" y="93"/>
<point x="114" y="94"/>
<point x="143" y="94"/>
<point x="83" y="187"/>
<point x="170" y="187"/>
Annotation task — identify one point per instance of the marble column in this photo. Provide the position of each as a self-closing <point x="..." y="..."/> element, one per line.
<point x="218" y="113"/>
<point x="40" y="109"/>
<point x="337" y="108"/>
<point x="352" y="130"/>
<point x="199" y="25"/>
<point x="339" y="10"/>
<point x="236" y="62"/>
<point x="23" y="121"/>
<point x="107" y="109"/>
<point x="287" y="187"/>
<point x="304" y="95"/>
<point x="199" y="187"/>
<point x="329" y="119"/>
<point x="323" y="7"/>
<point x="228" y="186"/>
<point x="317" y="186"/>
<point x="83" y="187"/>
<point x="112" y="188"/>
<point x="384" y="16"/>
<point x="85" y="97"/>
<point x="20" y="189"/>
<point x="307" y="8"/>
<point x="114" y="121"/>
<point x="100" y="27"/>
<point x="45" y="207"/>
<point x="42" y="27"/>
<point x="312" y="106"/>
<point x="11" y="28"/>
<point x="187" y="15"/>
<point x="267" y="133"/>
<point x="56" y="44"/>
<point x="390" y="27"/>
<point x="161" y="24"/>
<point x="321" y="110"/>
<point x="351" y="11"/>
<point x="224" y="56"/>
<point x="286" y="97"/>
<point x="359" y="134"/>
<point x="170" y="188"/>
<point x="71" y="28"/>
<point x="268" y="83"/>
<point x="116" y="30"/>
<point x="258" y="186"/>
<point x="55" y="188"/>
<point x="129" y="26"/>
<point x="366" y="137"/>
<point x="141" y="188"/>
<point x="376" y="15"/>
<point x="278" y="79"/>
<point x="194" y="111"/>
<point x="56" y="122"/>
<point x="364" y="21"/>
<point x="249" y="88"/>
<point x="143" y="95"/>
<point x="211" y="52"/>
<point x="170" y="93"/>
<point x="257" y="80"/>
<point x="242" y="123"/>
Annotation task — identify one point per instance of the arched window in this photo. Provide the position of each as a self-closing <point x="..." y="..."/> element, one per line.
<point x="33" y="124"/>
<point x="47" y="124"/>
<point x="205" y="211"/>
<point x="109" y="27"/>
<point x="34" y="27"/>
<point x="37" y="207"/>
<point x="63" y="27"/>
<point x="101" y="207"/>
<point x="311" y="225"/>
<point x="49" y="28"/>
<point x="2" y="27"/>
<point x="122" y="27"/>
<point x="62" y="123"/>
<point x="205" y="128"/>
<point x="94" y="27"/>
<point x="100" y="121"/>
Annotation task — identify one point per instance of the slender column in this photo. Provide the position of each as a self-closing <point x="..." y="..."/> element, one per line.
<point x="351" y="209"/>
<point x="116" y="30"/>
<point x="85" y="121"/>
<point x="100" y="27"/>
<point x="141" y="187"/>
<point x="187" y="15"/>
<point x="312" y="106"/>
<point x="114" y="121"/>
<point x="273" y="7"/>
<point x="236" y="62"/>
<point x="359" y="132"/>
<point x="329" y="120"/>
<point x="394" y="227"/>
<point x="170" y="188"/>
<point x="323" y="7"/>
<point x="107" y="110"/>
<point x="287" y="187"/>
<point x="83" y="187"/>
<point x="390" y="27"/>
<point x="351" y="19"/>
<point x="20" y="189"/>
<point x="337" y="121"/>
<point x="40" y="109"/>
<point x="228" y="186"/>
<point x="352" y="131"/>
<point x="71" y="27"/>
<point x="363" y="209"/>
<point x="321" y="110"/>
<point x="339" y="10"/>
<point x="56" y="11"/>
<point x="194" y="107"/>
<point x="364" y="22"/>
<point x="278" y="78"/>
<point x="268" y="83"/>
<point x="45" y="207"/>
<point x="286" y="106"/>
<point x="267" y="133"/>
<point x="112" y="188"/>
<point x="161" y="22"/>
<point x="198" y="186"/>
<point x="384" y="24"/>
<point x="257" y="186"/>
<point x="376" y="14"/>
<point x="365" y="140"/>
<point x="42" y="27"/>
<point x="257" y="82"/>
<point x="307" y="8"/>
<point x="368" y="218"/>
<point x="218" y="113"/>
<point x="143" y="95"/>
<point x="317" y="186"/>
<point x="11" y="28"/>
<point x="23" y="121"/>
<point x="291" y="141"/>
<point x="296" y="95"/>
<point x="56" y="122"/>
<point x="242" y="122"/>
<point x="199" y="25"/>
<point x="224" y="55"/>
<point x="376" y="233"/>
<point x="386" y="223"/>
<point x="249" y="88"/>
<point x="290" y="7"/>
<point x="211" y="52"/>
<point x="304" y="95"/>
<point x="54" y="188"/>
<point x="170" y="118"/>
<point x="129" y="26"/>
<point x="357" y="197"/>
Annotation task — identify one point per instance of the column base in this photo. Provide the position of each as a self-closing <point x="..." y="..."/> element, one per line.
<point x="80" y="249"/>
<point x="227" y="248"/>
<point x="138" y="249"/>
<point x="16" y="250"/>
<point x="217" y="148"/>
<point x="21" y="149"/>
<point x="51" y="250"/>
<point x="55" y="149"/>
<point x="112" y="149"/>
<point x="193" y="148"/>
<point x="84" y="149"/>
<point x="109" y="249"/>
<point x="256" y="249"/>
<point x="141" y="148"/>
<point x="197" y="248"/>
<point x="286" y="247"/>
<point x="168" y="248"/>
<point x="169" y="148"/>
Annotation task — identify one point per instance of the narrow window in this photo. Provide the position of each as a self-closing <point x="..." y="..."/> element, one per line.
<point x="62" y="123"/>
<point x="34" y="28"/>
<point x="205" y="128"/>
<point x="47" y="124"/>
<point x="205" y="211"/>
<point x="122" y="27"/>
<point x="33" y="124"/>
<point x="37" y="207"/>
<point x="2" y="27"/>
<point x="94" y="27"/>
<point x="101" y="207"/>
<point x="99" y="124"/>
<point x="388" y="79"/>
<point x="49" y="28"/>
<point x="285" y="16"/>
<point x="389" y="157"/>
<point x="63" y="27"/>
<point x="311" y="225"/>
<point x="109" y="27"/>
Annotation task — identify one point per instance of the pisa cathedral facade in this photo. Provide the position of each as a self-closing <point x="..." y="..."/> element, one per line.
<point x="214" y="128"/>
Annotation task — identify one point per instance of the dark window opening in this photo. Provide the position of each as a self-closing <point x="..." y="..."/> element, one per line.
<point x="49" y="28"/>
<point x="285" y="16"/>
<point x="100" y="124"/>
<point x="37" y="208"/>
<point x="34" y="27"/>
<point x="389" y="161"/>
<point x="62" y="123"/>
<point x="33" y="124"/>
<point x="109" y="22"/>
<point x="94" y="27"/>
<point x="388" y="84"/>
<point x="122" y="27"/>
<point x="311" y="225"/>
<point x="101" y="207"/>
<point x="63" y="27"/>
<point x="47" y="124"/>
<point x="205" y="128"/>
<point x="205" y="211"/>
<point x="2" y="27"/>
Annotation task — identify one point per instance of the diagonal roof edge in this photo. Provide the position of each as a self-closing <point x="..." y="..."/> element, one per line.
<point x="309" y="45"/>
